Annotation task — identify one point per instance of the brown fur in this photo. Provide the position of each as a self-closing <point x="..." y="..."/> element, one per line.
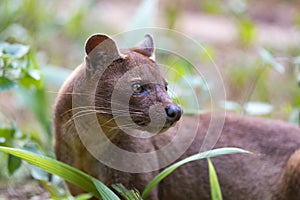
<point x="272" y="173"/>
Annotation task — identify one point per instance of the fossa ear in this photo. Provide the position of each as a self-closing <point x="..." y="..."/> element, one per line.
<point x="146" y="47"/>
<point x="101" y="51"/>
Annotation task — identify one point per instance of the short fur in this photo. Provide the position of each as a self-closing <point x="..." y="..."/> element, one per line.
<point x="273" y="172"/>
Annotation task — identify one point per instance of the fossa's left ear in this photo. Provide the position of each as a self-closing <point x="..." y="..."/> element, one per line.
<point x="101" y="51"/>
<point x="100" y="43"/>
<point x="146" y="47"/>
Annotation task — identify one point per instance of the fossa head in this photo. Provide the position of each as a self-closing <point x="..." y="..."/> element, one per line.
<point x="131" y="91"/>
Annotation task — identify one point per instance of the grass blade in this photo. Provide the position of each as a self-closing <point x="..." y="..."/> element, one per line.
<point x="215" y="189"/>
<point x="127" y="194"/>
<point x="72" y="175"/>
<point x="198" y="156"/>
<point x="105" y="192"/>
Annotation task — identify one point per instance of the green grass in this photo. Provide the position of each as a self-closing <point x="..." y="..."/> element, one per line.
<point x="99" y="190"/>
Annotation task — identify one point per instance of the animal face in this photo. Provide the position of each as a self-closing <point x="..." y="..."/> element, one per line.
<point x="131" y="92"/>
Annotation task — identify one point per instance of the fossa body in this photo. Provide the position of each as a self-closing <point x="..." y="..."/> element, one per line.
<point x="273" y="172"/>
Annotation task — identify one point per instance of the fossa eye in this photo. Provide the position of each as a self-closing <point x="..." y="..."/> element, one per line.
<point x="137" y="88"/>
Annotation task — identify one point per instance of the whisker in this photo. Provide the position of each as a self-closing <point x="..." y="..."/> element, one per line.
<point x="68" y="93"/>
<point x="132" y="125"/>
<point x="118" y="116"/>
<point x="103" y="110"/>
<point x="77" y="108"/>
<point x="84" y="107"/>
<point x="77" y="116"/>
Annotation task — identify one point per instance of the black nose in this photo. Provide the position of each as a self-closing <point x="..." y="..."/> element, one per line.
<point x="173" y="112"/>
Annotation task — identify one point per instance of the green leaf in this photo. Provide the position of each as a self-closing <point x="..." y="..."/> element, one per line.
<point x="105" y="191"/>
<point x="246" y="31"/>
<point x="127" y="194"/>
<point x="83" y="197"/>
<point x="72" y="175"/>
<point x="198" y="156"/>
<point x="29" y="82"/>
<point x="215" y="189"/>
<point x="6" y="135"/>
<point x="16" y="50"/>
<point x="52" y="190"/>
<point x="13" y="164"/>
<point x="6" y="84"/>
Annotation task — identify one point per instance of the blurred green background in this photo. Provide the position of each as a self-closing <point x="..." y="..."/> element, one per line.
<point x="255" y="44"/>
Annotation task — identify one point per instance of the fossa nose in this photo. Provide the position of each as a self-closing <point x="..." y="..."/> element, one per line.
<point x="174" y="112"/>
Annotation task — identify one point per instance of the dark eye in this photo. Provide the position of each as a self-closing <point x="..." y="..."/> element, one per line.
<point x="137" y="88"/>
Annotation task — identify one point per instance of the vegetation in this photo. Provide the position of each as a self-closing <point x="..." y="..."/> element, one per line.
<point x="39" y="37"/>
<point x="98" y="189"/>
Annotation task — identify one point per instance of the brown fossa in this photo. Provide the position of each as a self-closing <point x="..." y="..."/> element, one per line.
<point x="273" y="172"/>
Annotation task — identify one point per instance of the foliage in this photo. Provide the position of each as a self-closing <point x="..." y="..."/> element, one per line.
<point x="270" y="84"/>
<point x="215" y="189"/>
<point x="70" y="174"/>
<point x="18" y="69"/>
<point x="199" y="156"/>
<point x="127" y="194"/>
<point x="97" y="188"/>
